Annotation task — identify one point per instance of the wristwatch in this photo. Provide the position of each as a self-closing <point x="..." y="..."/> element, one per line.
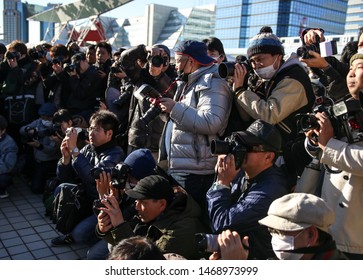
<point x="74" y="150"/>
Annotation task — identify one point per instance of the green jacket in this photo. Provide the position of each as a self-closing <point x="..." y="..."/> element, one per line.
<point x="173" y="231"/>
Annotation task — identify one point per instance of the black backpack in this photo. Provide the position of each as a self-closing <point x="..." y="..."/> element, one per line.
<point x="70" y="206"/>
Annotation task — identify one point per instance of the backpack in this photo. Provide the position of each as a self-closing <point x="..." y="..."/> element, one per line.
<point x="70" y="206"/>
<point x="20" y="109"/>
<point x="48" y="196"/>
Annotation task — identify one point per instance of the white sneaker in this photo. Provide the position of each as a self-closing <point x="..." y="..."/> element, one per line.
<point x="4" y="194"/>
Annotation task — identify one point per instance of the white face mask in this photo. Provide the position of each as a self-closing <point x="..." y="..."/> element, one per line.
<point x="284" y="242"/>
<point x="47" y="123"/>
<point x="267" y="72"/>
<point x="360" y="50"/>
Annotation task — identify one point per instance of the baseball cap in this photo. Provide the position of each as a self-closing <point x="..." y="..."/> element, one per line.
<point x="141" y="163"/>
<point x="152" y="187"/>
<point x="196" y="50"/>
<point x="297" y="211"/>
<point x="262" y="133"/>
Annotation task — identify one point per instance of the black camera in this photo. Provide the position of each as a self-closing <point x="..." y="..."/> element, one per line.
<point x="116" y="68"/>
<point x="35" y="54"/>
<point x="303" y="51"/>
<point x="31" y="134"/>
<point x="207" y="242"/>
<point x="126" y="93"/>
<point x="118" y="173"/>
<point x="226" y="69"/>
<point x="231" y="145"/>
<point x="57" y="60"/>
<point x="158" y="60"/>
<point x="146" y="92"/>
<point x="12" y="55"/>
<point x="69" y="67"/>
<point x="346" y="118"/>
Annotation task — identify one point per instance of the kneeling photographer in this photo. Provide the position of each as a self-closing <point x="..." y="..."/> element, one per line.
<point x="166" y="216"/>
<point x="114" y="181"/>
<point x="341" y="187"/>
<point x="247" y="182"/>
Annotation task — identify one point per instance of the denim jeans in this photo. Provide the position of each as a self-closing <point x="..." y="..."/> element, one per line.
<point x="98" y="251"/>
<point x="5" y="181"/>
<point x="84" y="231"/>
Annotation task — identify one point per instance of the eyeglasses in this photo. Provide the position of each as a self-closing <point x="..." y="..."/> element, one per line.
<point x="94" y="129"/>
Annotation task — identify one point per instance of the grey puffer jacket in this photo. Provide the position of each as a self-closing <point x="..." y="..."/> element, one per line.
<point x="199" y="116"/>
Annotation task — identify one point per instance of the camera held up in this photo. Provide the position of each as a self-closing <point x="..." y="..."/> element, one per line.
<point x="126" y="93"/>
<point x="147" y="92"/>
<point x="346" y="117"/>
<point x="226" y="69"/>
<point x="231" y="145"/>
<point x="119" y="174"/>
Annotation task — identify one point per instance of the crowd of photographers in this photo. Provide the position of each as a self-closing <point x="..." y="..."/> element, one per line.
<point x="257" y="158"/>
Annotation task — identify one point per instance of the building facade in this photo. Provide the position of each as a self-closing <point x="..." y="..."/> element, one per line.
<point x="165" y="25"/>
<point x="15" y="25"/>
<point x="354" y="19"/>
<point x="239" y="20"/>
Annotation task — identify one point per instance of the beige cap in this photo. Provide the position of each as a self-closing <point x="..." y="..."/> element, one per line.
<point x="298" y="211"/>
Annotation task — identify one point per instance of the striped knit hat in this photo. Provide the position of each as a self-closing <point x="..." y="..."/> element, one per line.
<point x="265" y="42"/>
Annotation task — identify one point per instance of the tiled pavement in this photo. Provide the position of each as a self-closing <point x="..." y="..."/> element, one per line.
<point x="25" y="232"/>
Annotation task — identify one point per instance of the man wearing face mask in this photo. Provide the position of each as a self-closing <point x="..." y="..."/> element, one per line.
<point x="277" y="90"/>
<point x="198" y="114"/>
<point x="42" y="160"/>
<point x="298" y="223"/>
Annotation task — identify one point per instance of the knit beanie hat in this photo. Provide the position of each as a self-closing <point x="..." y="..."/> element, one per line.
<point x="265" y="42"/>
<point x="141" y="163"/>
<point x="356" y="56"/>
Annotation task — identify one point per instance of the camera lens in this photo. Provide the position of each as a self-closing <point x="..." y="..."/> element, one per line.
<point x="207" y="242"/>
<point x="219" y="147"/>
<point x="151" y="114"/>
<point x="226" y="69"/>
<point x="157" y="60"/>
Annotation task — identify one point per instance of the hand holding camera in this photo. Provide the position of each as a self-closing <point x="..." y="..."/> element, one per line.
<point x="71" y="138"/>
<point x="110" y="207"/>
<point x="103" y="184"/>
<point x="12" y="58"/>
<point x="325" y="131"/>
<point x="226" y="169"/>
<point x="104" y="222"/>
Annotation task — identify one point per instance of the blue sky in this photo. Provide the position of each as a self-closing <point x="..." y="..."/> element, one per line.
<point x="136" y="7"/>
